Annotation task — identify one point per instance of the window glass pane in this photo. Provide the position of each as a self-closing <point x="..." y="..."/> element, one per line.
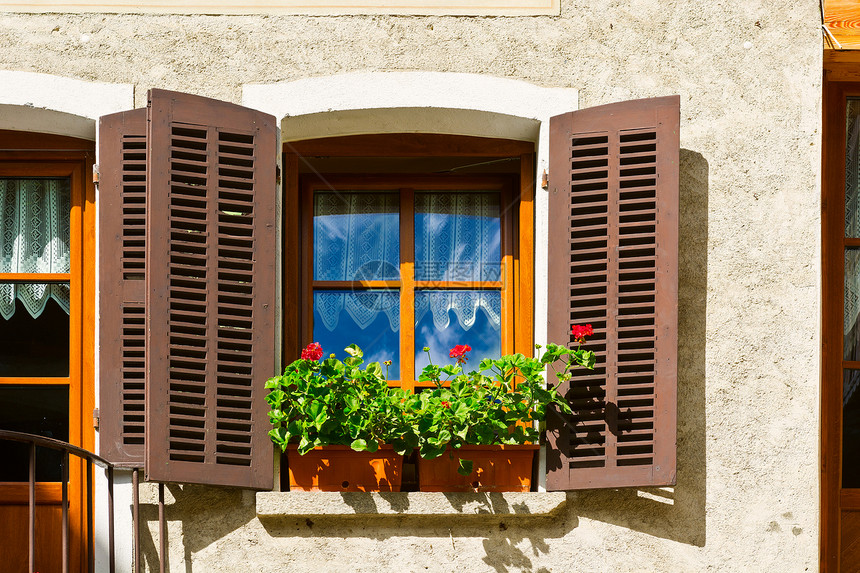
<point x="356" y="236"/>
<point x="37" y="409"/>
<point x="851" y="340"/>
<point x="444" y="319"/>
<point x="370" y="319"/>
<point x="457" y="237"/>
<point x="34" y="339"/>
<point x="34" y="225"/>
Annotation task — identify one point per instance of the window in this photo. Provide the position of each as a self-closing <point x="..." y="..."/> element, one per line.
<point x="46" y="313"/>
<point x="409" y="262"/>
<point x="190" y="183"/>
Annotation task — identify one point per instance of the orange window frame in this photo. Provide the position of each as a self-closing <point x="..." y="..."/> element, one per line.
<point x="39" y="155"/>
<point x="407" y="286"/>
<point x="519" y="321"/>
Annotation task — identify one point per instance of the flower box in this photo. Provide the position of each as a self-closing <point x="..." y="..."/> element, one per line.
<point x="340" y="468"/>
<point x="495" y="469"/>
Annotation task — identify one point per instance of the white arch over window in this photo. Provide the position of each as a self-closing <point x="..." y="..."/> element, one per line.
<point x="57" y="105"/>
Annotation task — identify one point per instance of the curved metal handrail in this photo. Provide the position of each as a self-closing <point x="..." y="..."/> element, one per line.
<point x="41" y="441"/>
<point x="44" y="442"/>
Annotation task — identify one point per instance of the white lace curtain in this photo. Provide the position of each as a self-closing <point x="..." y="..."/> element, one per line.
<point x="34" y="238"/>
<point x="357" y="237"/>
<point x="458" y="237"/>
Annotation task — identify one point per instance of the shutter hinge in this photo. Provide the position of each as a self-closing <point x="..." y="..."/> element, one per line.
<point x="278" y="174"/>
<point x="544" y="180"/>
<point x="95" y="173"/>
<point x="96" y="418"/>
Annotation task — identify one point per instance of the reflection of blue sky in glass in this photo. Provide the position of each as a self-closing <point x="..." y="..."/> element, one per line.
<point x="485" y="340"/>
<point x="378" y="340"/>
<point x="356" y="236"/>
<point x="457" y="236"/>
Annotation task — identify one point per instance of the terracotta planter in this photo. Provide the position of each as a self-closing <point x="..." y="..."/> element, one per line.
<point x="495" y="468"/>
<point x="340" y="468"/>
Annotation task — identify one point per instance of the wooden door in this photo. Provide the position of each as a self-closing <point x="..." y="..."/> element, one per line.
<point x="43" y="226"/>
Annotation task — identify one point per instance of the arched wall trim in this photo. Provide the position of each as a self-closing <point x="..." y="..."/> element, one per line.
<point x="62" y="106"/>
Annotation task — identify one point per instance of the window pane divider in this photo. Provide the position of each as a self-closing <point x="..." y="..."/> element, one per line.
<point x="456" y="285"/>
<point x="852" y="242"/>
<point x="31" y="380"/>
<point x="407" y="293"/>
<point x="35" y="277"/>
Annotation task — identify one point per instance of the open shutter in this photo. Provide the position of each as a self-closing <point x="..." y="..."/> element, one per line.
<point x="614" y="207"/>
<point x="122" y="286"/>
<point x="211" y="257"/>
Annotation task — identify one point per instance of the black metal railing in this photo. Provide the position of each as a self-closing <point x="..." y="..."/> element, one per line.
<point x="91" y="459"/>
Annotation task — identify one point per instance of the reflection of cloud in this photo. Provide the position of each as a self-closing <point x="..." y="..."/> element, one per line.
<point x="482" y="337"/>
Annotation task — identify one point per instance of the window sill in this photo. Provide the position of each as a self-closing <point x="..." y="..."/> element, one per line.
<point x="301" y="504"/>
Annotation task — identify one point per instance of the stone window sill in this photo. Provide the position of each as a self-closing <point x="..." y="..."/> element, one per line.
<point x="302" y="504"/>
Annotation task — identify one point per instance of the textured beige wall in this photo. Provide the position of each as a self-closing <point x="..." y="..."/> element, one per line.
<point x="749" y="78"/>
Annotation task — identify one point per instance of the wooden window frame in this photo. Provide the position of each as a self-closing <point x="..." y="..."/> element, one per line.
<point x="518" y="327"/>
<point x="25" y="154"/>
<point x="407" y="186"/>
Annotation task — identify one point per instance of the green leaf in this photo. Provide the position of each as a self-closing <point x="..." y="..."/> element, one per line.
<point x="359" y="445"/>
<point x="374" y="369"/>
<point x="352" y="403"/>
<point x="354" y="350"/>
<point x="465" y="467"/>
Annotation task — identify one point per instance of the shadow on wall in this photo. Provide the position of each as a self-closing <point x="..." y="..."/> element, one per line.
<point x="208" y="514"/>
<point x="676" y="513"/>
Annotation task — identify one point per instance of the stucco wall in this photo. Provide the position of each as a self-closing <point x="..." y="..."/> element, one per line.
<point x="749" y="78"/>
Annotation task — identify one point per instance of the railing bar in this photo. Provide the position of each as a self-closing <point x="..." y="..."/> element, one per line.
<point x="111" y="560"/>
<point x="53" y="444"/>
<point x="162" y="529"/>
<point x="91" y="563"/>
<point x="31" y="543"/>
<point x="65" y="486"/>
<point x="135" y="517"/>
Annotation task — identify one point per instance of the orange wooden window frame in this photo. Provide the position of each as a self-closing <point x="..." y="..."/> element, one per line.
<point x="406" y="186"/>
<point x="40" y="155"/>
<point x="518" y="304"/>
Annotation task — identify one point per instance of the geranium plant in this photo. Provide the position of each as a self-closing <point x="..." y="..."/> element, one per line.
<point x="333" y="402"/>
<point x="504" y="401"/>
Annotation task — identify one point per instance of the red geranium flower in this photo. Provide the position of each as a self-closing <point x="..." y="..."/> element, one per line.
<point x="579" y="332"/>
<point x="446" y="404"/>
<point x="313" y="352"/>
<point x="459" y="352"/>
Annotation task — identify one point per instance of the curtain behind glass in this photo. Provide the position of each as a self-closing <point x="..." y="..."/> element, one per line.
<point x="458" y="238"/>
<point x="34" y="238"/>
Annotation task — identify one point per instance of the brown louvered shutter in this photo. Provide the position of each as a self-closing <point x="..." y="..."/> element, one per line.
<point x="122" y="286"/>
<point x="614" y="208"/>
<point x="211" y="253"/>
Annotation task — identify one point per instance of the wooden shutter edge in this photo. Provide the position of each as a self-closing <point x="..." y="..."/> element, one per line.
<point x="663" y="114"/>
<point x="215" y="117"/>
<point x="116" y="293"/>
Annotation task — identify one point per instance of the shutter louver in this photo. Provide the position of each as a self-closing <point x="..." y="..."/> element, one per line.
<point x="614" y="207"/>
<point x="211" y="291"/>
<point x="122" y="286"/>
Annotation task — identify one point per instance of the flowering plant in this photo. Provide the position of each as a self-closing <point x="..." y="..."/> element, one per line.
<point x="329" y="402"/>
<point x="504" y="401"/>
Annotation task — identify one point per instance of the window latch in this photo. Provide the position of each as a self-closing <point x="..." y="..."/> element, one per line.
<point x="544" y="180"/>
<point x="96" y="418"/>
